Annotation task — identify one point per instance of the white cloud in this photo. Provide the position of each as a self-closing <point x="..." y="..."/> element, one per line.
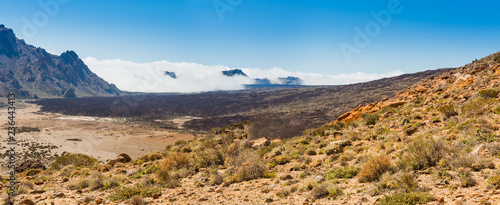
<point x="193" y="77"/>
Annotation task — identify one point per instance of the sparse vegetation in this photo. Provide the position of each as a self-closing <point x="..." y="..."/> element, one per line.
<point x="77" y="160"/>
<point x="448" y="110"/>
<point x="344" y="172"/>
<point x="370" y="119"/>
<point x="411" y="198"/>
<point x="144" y="190"/>
<point x="374" y="168"/>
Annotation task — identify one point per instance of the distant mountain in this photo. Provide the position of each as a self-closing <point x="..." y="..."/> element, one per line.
<point x="171" y="74"/>
<point x="290" y="80"/>
<point x="32" y="72"/>
<point x="234" y="72"/>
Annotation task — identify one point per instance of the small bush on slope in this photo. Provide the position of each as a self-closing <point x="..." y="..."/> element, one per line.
<point x="424" y="153"/>
<point x="374" y="168"/>
<point x="78" y="160"/>
<point x="406" y="199"/>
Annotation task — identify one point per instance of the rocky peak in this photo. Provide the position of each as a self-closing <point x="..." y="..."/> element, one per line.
<point x="69" y="56"/>
<point x="8" y="45"/>
<point x="234" y="72"/>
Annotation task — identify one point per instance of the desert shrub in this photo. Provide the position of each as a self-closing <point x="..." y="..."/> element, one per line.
<point x="344" y="172"/>
<point x="497" y="110"/>
<point x="149" y="158"/>
<point x="247" y="165"/>
<point x="137" y="200"/>
<point x="374" y="168"/>
<point x="370" y="119"/>
<point x="345" y="158"/>
<point x="436" y="120"/>
<point x="282" y="159"/>
<point x="112" y="182"/>
<point x="466" y="179"/>
<point x="77" y="160"/>
<point x="325" y="190"/>
<point x="477" y="106"/>
<point x="329" y="150"/>
<point x="448" y="110"/>
<point x="488" y="93"/>
<point x="353" y="124"/>
<point x="407" y="181"/>
<point x="25" y="187"/>
<point x="32" y="172"/>
<point x="493" y="148"/>
<point x="266" y="149"/>
<point x="150" y="169"/>
<point x="215" y="177"/>
<point x="97" y="182"/>
<point x="424" y="153"/>
<point x="309" y="185"/>
<point x="494" y="181"/>
<point x="141" y="189"/>
<point x="167" y="179"/>
<point x="186" y="149"/>
<point x="80" y="184"/>
<point x="460" y="158"/>
<point x="311" y="151"/>
<point x="177" y="160"/>
<point x="411" y="198"/>
<point x="497" y="58"/>
<point x="209" y="153"/>
<point x="284" y="192"/>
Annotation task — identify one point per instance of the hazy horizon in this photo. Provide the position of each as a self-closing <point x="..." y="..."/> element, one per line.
<point x="327" y="43"/>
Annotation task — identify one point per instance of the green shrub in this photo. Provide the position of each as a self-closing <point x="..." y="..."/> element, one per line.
<point x="466" y="179"/>
<point x="345" y="158"/>
<point x="448" y="110"/>
<point x="488" y="93"/>
<point x="311" y="152"/>
<point x="411" y="198"/>
<point x="149" y="158"/>
<point x="131" y="191"/>
<point x="325" y="190"/>
<point x="77" y="160"/>
<point x="436" y="120"/>
<point x="494" y="181"/>
<point x="207" y="154"/>
<point x="32" y="172"/>
<point x="478" y="106"/>
<point x="344" y="172"/>
<point x="370" y="119"/>
<point x="281" y="160"/>
<point x="497" y="58"/>
<point x="425" y="153"/>
<point x="80" y="184"/>
<point x="497" y="110"/>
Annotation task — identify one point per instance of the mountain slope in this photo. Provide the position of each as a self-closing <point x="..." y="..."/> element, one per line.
<point x="436" y="142"/>
<point x="32" y="72"/>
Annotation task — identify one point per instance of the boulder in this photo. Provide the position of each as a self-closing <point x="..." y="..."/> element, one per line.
<point x="122" y="158"/>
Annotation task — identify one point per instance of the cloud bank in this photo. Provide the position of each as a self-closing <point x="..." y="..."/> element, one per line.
<point x="193" y="77"/>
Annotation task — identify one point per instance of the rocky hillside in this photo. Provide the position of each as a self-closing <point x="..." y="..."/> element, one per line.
<point x="436" y="142"/>
<point x="32" y="72"/>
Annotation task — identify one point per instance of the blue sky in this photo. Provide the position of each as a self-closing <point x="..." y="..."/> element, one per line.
<point x="296" y="35"/>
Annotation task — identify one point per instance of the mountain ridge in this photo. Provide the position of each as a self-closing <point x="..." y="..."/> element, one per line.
<point x="32" y="72"/>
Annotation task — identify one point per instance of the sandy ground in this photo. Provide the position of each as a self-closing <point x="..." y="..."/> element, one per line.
<point x="102" y="138"/>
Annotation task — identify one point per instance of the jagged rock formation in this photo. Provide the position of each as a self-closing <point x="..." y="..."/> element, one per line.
<point x="171" y="74"/>
<point x="290" y="80"/>
<point x="31" y="72"/>
<point x="234" y="72"/>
